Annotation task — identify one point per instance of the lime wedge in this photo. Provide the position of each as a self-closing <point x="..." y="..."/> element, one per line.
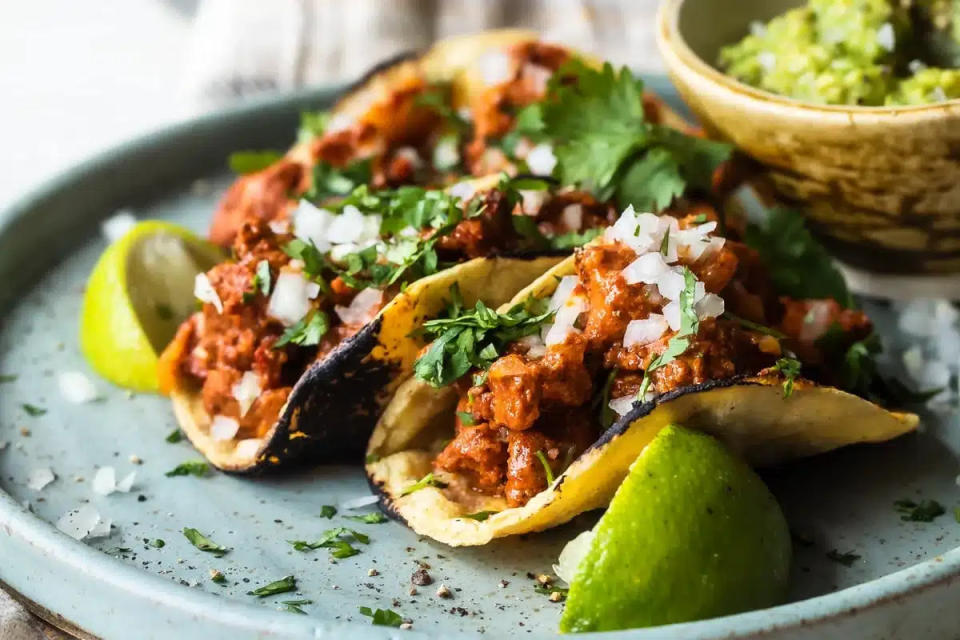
<point x="138" y="293"/>
<point x="691" y="533"/>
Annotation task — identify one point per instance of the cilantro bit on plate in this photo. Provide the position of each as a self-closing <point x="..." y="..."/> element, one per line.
<point x="293" y="606"/>
<point x="790" y="369"/>
<point x="328" y="511"/>
<point x="383" y="617"/>
<point x="204" y="543"/>
<point x="244" y="162"/>
<point x="846" y="559"/>
<point x="198" y="468"/>
<point x="480" y="516"/>
<point x="424" y="482"/>
<point x="283" y="585"/>
<point x="337" y="540"/>
<point x="217" y="577"/>
<point x="923" y="511"/>
<point x="175" y="436"/>
<point x="369" y="518"/>
<point x="158" y="543"/>
<point x="7" y="377"/>
<point x="33" y="410"/>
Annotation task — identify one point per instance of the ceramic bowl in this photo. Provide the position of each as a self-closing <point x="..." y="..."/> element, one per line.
<point x="881" y="185"/>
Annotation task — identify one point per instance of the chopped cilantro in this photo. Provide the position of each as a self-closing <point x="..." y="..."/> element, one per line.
<point x="328" y="511"/>
<point x="244" y="162"/>
<point x="369" y="518"/>
<point x="371" y="458"/>
<point x="261" y="279"/>
<point x="548" y="590"/>
<point x="424" y="482"/>
<point x="293" y="606"/>
<point x="383" y="617"/>
<point x="312" y="125"/>
<point x="198" y="468"/>
<point x="753" y="326"/>
<point x="546" y="466"/>
<point x="336" y="540"/>
<point x="469" y="339"/>
<point x="799" y="266"/>
<point x="7" y="377"/>
<point x="678" y="344"/>
<point x="203" y="543"/>
<point x="438" y="99"/>
<point x="790" y="369"/>
<point x="158" y="543"/>
<point x="846" y="559"/>
<point x="308" y="332"/>
<point x="480" y="516"/>
<point x="283" y="585"/>
<point x="956" y="514"/>
<point x="33" y="410"/>
<point x="217" y="577"/>
<point x="446" y="155"/>
<point x="329" y="181"/>
<point x="573" y="239"/>
<point x="466" y="418"/>
<point x="923" y="511"/>
<point x="174" y="436"/>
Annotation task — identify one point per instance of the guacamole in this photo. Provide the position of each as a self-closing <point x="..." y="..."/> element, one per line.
<point x="855" y="52"/>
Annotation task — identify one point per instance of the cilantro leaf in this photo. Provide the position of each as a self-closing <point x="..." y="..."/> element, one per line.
<point x="33" y="410"/>
<point x="923" y="511"/>
<point x="790" y="369"/>
<point x="573" y="239"/>
<point x="383" y="617"/>
<point x="244" y="162"/>
<point x="283" y="585"/>
<point x="329" y="181"/>
<point x="307" y="332"/>
<point x="652" y="182"/>
<point x="328" y="511"/>
<point x="203" y="543"/>
<point x="293" y="606"/>
<point x="7" y="377"/>
<point x="174" y="436"/>
<point x="261" y="278"/>
<point x="480" y="516"/>
<point x="798" y="264"/>
<point x="312" y="125"/>
<point x="198" y="468"/>
<point x="369" y="518"/>
<point x="697" y="157"/>
<point x="424" y="482"/>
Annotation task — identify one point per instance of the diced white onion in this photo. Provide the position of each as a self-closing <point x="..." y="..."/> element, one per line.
<point x="290" y="300"/>
<point x="886" y="38"/>
<point x="522" y="148"/>
<point x="693" y="243"/>
<point x="339" y="122"/>
<point x="536" y="348"/>
<point x="496" y="67"/>
<point x="671" y="312"/>
<point x="246" y="391"/>
<point x="564" y="320"/>
<point x="248" y="448"/>
<point x="648" y="268"/>
<point x="204" y="291"/>
<point x="80" y="522"/>
<point x="310" y="224"/>
<point x="117" y="225"/>
<point x="362" y="308"/>
<point x="533" y="200"/>
<point x="40" y="477"/>
<point x="126" y="484"/>
<point x="572" y="216"/>
<point x="410" y="155"/>
<point x="645" y="330"/>
<point x="279" y="227"/>
<point x="358" y="503"/>
<point x="671" y="284"/>
<point x="817" y="321"/>
<point x="463" y="190"/>
<point x="536" y="77"/>
<point x="339" y="252"/>
<point x="350" y="226"/>
<point x="622" y="406"/>
<point x="223" y="428"/>
<point x="76" y="387"/>
<point x="445" y="154"/>
<point x="710" y="306"/>
<point x="104" y="481"/>
<point x="564" y="288"/>
<point x="541" y="159"/>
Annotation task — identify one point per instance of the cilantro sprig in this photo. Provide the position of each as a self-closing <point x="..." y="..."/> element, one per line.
<point x="680" y="342"/>
<point x="382" y="617"/>
<point x="337" y="540"/>
<point x="474" y="338"/>
<point x="789" y="368"/>
<point x="602" y="141"/>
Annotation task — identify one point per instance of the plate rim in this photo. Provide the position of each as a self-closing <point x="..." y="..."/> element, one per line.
<point x="215" y="615"/>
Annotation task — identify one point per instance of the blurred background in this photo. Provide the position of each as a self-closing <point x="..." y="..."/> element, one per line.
<point x="81" y="76"/>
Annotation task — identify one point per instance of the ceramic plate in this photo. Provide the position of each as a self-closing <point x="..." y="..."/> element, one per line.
<point x="899" y="579"/>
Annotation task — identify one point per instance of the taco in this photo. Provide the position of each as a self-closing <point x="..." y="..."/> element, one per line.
<point x="307" y="332"/>
<point x="660" y="321"/>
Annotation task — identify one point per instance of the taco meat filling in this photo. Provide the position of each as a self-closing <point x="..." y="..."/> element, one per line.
<point x="613" y="335"/>
<point x="266" y="316"/>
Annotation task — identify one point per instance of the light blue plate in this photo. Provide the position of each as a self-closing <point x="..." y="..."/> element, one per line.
<point x="904" y="583"/>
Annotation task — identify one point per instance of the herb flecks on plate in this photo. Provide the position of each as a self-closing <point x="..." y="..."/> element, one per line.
<point x="204" y="543"/>
<point x="283" y="585"/>
<point x="923" y="511"/>
<point x="198" y="468"/>
<point x="383" y="617"/>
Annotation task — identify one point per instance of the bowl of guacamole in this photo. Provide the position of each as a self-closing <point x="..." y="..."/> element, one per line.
<point x="852" y="107"/>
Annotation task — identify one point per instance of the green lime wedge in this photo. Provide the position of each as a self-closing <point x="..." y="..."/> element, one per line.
<point x="691" y="533"/>
<point x="139" y="292"/>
